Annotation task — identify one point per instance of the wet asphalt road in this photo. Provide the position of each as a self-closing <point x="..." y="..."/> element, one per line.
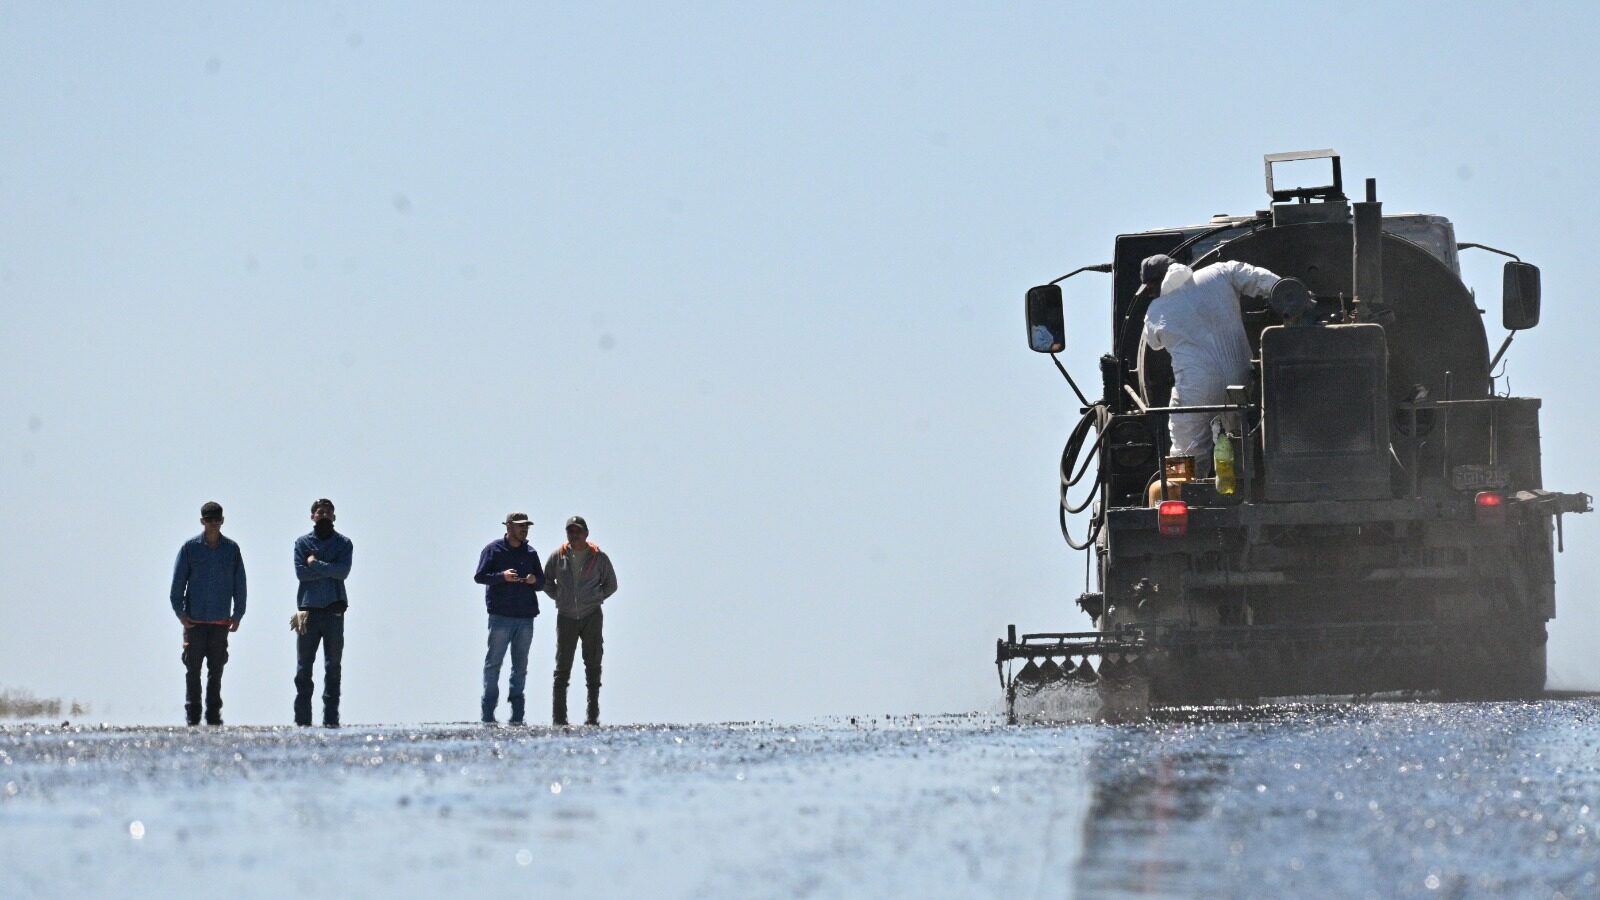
<point x="1379" y="800"/>
<point x="1371" y="800"/>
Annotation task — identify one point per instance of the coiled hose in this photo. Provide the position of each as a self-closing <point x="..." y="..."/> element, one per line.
<point x="1094" y="418"/>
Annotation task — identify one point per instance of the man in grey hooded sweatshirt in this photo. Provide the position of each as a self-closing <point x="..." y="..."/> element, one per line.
<point x="579" y="578"/>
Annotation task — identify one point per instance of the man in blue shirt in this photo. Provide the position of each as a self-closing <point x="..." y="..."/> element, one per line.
<point x="208" y="592"/>
<point x="321" y="563"/>
<point x="510" y="570"/>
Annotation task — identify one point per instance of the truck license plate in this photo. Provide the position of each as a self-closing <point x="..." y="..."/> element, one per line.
<point x="1476" y="477"/>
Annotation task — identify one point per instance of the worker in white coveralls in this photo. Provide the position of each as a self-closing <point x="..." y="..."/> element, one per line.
<point x="1195" y="317"/>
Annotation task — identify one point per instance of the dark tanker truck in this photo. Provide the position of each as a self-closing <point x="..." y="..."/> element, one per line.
<point x="1387" y="526"/>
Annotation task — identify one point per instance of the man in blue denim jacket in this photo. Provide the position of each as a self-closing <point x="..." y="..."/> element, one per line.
<point x="510" y="571"/>
<point x="208" y="594"/>
<point x="321" y="563"/>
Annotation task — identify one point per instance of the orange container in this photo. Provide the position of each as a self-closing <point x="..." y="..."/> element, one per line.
<point x="1180" y="470"/>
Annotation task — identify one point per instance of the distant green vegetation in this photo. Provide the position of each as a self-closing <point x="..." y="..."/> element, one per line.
<point x="20" y="704"/>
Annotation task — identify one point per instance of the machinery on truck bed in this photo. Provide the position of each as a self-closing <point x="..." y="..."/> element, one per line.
<point x="1388" y="527"/>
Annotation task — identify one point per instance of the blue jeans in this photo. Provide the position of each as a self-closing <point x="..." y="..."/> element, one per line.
<point x="517" y="634"/>
<point x="325" y="627"/>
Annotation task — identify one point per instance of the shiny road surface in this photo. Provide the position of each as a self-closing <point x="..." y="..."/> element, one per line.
<point x="1372" y="800"/>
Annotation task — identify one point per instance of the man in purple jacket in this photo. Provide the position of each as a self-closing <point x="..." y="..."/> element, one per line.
<point x="510" y="570"/>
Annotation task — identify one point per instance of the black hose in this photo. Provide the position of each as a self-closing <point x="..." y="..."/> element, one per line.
<point x="1095" y="417"/>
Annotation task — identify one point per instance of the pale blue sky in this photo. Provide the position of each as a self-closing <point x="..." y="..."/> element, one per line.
<point x="740" y="283"/>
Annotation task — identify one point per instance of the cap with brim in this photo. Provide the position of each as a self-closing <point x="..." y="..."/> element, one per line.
<point x="579" y="522"/>
<point x="518" y="519"/>
<point x="1151" y="271"/>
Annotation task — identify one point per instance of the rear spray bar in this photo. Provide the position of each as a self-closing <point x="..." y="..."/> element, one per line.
<point x="1066" y="644"/>
<point x="1121" y="647"/>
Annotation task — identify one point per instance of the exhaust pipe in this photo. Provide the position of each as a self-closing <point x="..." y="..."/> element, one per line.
<point x="1367" y="262"/>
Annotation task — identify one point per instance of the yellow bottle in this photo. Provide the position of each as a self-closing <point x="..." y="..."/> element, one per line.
<point x="1222" y="459"/>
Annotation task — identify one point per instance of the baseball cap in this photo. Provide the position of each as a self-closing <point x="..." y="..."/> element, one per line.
<point x="518" y="519"/>
<point x="578" y="521"/>
<point x="1151" y="271"/>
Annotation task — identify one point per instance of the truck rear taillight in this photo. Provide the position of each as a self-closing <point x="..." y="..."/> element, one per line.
<point x="1172" y="517"/>
<point x="1490" y="508"/>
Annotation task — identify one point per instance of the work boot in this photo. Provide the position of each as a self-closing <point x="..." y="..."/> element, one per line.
<point x="516" y="711"/>
<point x="214" y="720"/>
<point x="594" y="707"/>
<point x="558" y="707"/>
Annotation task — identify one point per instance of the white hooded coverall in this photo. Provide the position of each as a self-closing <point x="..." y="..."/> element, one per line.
<point x="1199" y="323"/>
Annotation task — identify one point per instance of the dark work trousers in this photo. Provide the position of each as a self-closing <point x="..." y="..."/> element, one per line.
<point x="568" y="633"/>
<point x="324" y="627"/>
<point x="207" y="645"/>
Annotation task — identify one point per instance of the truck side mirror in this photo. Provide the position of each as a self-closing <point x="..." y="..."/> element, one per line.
<point x="1047" y="331"/>
<point x="1520" y="296"/>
